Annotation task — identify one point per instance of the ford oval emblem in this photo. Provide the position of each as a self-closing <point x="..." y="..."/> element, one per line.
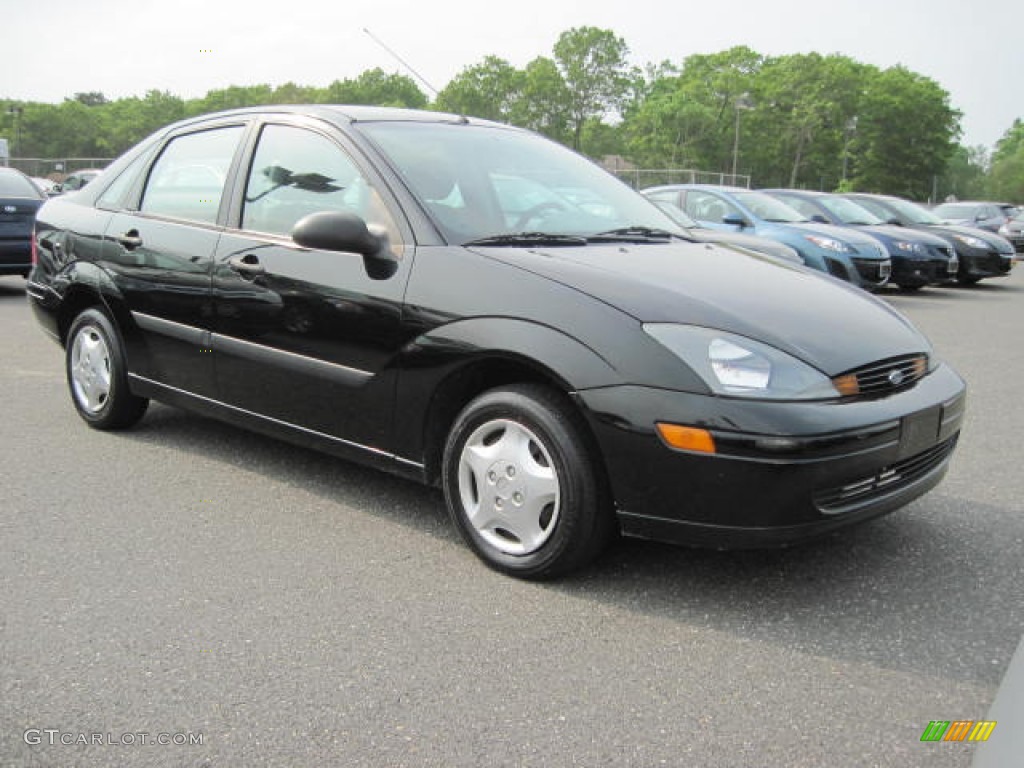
<point x="896" y="377"/>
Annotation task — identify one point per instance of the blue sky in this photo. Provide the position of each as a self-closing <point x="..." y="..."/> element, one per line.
<point x="188" y="47"/>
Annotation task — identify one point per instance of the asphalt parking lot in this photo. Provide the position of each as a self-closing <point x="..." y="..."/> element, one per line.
<point x="192" y="580"/>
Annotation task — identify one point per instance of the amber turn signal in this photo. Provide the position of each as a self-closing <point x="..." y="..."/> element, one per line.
<point x="687" y="438"/>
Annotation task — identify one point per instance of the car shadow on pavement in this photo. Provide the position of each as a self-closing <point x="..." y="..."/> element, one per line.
<point x="913" y="591"/>
<point x="12" y="288"/>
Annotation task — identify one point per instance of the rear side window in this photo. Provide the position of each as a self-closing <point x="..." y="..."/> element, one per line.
<point x="16" y="185"/>
<point x="187" y="180"/>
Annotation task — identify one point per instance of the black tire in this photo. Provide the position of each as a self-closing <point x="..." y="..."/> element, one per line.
<point x="968" y="280"/>
<point x="540" y="448"/>
<point x="97" y="374"/>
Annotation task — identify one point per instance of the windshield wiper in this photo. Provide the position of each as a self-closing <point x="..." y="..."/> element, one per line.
<point x="529" y="238"/>
<point x="632" y="235"/>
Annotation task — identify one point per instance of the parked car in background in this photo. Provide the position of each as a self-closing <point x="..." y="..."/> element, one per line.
<point x="45" y="185"/>
<point x="844" y="253"/>
<point x="750" y="242"/>
<point x="918" y="258"/>
<point x="982" y="215"/>
<point x="20" y="198"/>
<point x="561" y="371"/>
<point x="982" y="254"/>
<point x="75" y="181"/>
<point x="1013" y="230"/>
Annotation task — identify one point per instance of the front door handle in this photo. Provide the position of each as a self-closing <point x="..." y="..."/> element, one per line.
<point x="130" y="239"/>
<point x="246" y="265"/>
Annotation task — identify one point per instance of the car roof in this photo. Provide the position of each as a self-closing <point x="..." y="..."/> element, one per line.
<point x="340" y="114"/>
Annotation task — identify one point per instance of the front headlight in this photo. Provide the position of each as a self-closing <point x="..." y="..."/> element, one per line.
<point x="903" y="245"/>
<point x="1004" y="230"/>
<point x="973" y="242"/>
<point x="830" y="244"/>
<point x="741" y="367"/>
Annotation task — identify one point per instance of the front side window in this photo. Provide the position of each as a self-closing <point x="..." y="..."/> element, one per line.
<point x="705" y="206"/>
<point x="296" y="172"/>
<point x="187" y="180"/>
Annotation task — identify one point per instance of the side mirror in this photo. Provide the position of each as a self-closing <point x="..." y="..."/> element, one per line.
<point x="336" y="231"/>
<point x="735" y="220"/>
<point x="819" y="219"/>
<point x="347" y="233"/>
<point x="55" y="190"/>
<point x="894" y="221"/>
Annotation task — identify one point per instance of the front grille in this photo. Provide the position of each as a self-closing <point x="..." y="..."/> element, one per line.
<point x="884" y="482"/>
<point x="883" y="376"/>
<point x="873" y="270"/>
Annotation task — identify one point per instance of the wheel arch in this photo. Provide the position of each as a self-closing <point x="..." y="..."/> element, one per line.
<point x="528" y="353"/>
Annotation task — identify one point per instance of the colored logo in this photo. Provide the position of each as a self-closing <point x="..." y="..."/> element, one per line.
<point x="958" y="730"/>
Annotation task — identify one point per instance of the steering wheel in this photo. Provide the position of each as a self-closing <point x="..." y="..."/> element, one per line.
<point x="534" y="211"/>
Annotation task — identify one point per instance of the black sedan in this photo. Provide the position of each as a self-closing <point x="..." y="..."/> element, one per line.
<point x="981" y="254"/>
<point x="353" y="279"/>
<point x="918" y="258"/>
<point x="20" y="198"/>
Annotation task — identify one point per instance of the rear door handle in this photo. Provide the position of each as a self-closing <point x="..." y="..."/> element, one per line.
<point x="246" y="265"/>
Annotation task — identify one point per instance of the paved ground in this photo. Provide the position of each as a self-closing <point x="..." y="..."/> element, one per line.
<point x="189" y="578"/>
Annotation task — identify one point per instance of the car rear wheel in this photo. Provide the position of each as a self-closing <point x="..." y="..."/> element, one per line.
<point x="97" y="374"/>
<point x="522" y="484"/>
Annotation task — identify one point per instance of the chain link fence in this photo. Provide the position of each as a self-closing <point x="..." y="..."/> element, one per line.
<point x="644" y="178"/>
<point x="56" y="168"/>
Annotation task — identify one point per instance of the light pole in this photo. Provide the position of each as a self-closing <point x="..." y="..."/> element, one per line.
<point x="743" y="101"/>
<point x="850" y="129"/>
<point x="15" y="112"/>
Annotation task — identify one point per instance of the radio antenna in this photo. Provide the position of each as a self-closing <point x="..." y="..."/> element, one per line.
<point x="400" y="60"/>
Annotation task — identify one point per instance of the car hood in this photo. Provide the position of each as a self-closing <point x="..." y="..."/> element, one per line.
<point x="903" y="233"/>
<point x="843" y="234"/>
<point x="995" y="241"/>
<point x="827" y="323"/>
<point x="754" y="243"/>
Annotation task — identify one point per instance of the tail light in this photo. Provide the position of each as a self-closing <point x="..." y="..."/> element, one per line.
<point x="35" y="251"/>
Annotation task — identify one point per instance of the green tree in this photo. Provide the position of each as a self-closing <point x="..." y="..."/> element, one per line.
<point x="805" y="108"/>
<point x="1006" y="180"/>
<point x="906" y="133"/>
<point x="686" y="118"/>
<point x="490" y="90"/>
<point x="966" y="174"/>
<point x="592" y="63"/>
<point x="542" y="106"/>
<point x="377" y="87"/>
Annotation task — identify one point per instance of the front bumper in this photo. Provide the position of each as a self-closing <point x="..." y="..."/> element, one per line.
<point x="783" y="471"/>
<point x="976" y="263"/>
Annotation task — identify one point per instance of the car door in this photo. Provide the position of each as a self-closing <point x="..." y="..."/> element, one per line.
<point x="308" y="338"/>
<point x="160" y="249"/>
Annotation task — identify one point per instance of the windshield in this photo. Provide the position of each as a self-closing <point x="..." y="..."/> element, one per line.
<point x="955" y="211"/>
<point x="913" y="211"/>
<point x="480" y="182"/>
<point x="769" y="209"/>
<point x="848" y="211"/>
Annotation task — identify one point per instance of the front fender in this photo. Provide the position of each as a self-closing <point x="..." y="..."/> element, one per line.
<point x="445" y="367"/>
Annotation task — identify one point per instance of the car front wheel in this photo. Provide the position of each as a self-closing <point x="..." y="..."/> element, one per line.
<point x="97" y="374"/>
<point x="522" y="483"/>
